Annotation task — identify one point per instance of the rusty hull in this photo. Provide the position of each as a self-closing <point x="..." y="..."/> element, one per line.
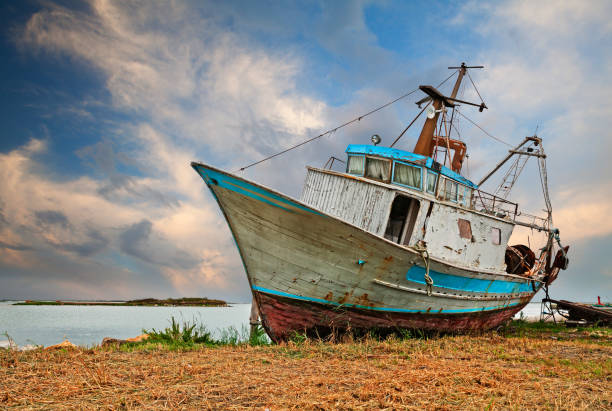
<point x="283" y="317"/>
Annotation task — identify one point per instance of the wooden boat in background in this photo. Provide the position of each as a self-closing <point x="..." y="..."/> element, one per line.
<point x="399" y="240"/>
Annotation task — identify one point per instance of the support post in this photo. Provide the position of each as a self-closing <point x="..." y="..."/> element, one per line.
<point x="254" y="317"/>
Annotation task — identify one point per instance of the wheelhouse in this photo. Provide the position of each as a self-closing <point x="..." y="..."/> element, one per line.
<point x="410" y="171"/>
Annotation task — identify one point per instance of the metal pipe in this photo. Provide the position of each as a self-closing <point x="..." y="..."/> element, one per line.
<point x="535" y="226"/>
<point x="527" y="153"/>
<point x="501" y="163"/>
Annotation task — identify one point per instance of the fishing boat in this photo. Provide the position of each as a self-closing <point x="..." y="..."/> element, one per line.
<point x="397" y="240"/>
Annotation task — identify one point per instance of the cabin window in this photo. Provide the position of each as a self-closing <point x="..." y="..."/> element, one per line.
<point x="431" y="182"/>
<point x="377" y="169"/>
<point x="495" y="236"/>
<point x="465" y="228"/>
<point x="467" y="197"/>
<point x="453" y="191"/>
<point x="355" y="165"/>
<point x="402" y="218"/>
<point x="450" y="190"/>
<point x="407" y="175"/>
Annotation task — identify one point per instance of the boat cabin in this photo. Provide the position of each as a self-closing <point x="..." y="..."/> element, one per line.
<point x="407" y="198"/>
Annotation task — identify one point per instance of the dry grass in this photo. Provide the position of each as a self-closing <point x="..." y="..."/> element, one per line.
<point x="453" y="372"/>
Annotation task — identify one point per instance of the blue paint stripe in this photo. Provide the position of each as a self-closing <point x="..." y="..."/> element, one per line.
<point x="365" y="307"/>
<point x="467" y="284"/>
<point x="248" y="190"/>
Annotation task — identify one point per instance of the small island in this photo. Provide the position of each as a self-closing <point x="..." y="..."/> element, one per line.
<point x="145" y="302"/>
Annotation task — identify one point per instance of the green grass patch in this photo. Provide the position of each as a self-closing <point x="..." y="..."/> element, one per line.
<point x="187" y="335"/>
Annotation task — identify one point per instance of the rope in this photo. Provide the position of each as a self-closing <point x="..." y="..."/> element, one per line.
<point x="331" y="130"/>
<point x="483" y="130"/>
<point x="346" y="124"/>
<point x="422" y="250"/>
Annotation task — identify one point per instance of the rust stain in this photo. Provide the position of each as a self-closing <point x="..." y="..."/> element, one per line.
<point x="382" y="268"/>
<point x="345" y="298"/>
<point x="363" y="300"/>
<point x="329" y="296"/>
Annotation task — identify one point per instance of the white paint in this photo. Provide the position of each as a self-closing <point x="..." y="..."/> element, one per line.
<point x="367" y="205"/>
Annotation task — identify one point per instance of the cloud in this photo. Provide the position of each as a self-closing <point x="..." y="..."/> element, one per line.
<point x="137" y="240"/>
<point x="548" y="64"/>
<point x="71" y="223"/>
<point x="50" y="217"/>
<point x="188" y="90"/>
<point x="540" y="68"/>
<point x="190" y="83"/>
<point x="201" y="82"/>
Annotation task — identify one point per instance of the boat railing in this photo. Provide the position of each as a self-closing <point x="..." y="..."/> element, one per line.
<point x="530" y="220"/>
<point x="491" y="204"/>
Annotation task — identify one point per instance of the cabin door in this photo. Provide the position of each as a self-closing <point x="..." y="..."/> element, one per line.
<point x="403" y="215"/>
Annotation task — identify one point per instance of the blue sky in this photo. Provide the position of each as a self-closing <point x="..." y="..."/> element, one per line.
<point x="104" y="104"/>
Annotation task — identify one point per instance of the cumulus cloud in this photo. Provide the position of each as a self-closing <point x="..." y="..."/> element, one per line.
<point x="190" y="89"/>
<point x="193" y="88"/>
<point x="540" y="69"/>
<point x="200" y="82"/>
<point x="70" y="221"/>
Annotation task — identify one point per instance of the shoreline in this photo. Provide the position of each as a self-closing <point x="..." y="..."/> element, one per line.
<point x="147" y="302"/>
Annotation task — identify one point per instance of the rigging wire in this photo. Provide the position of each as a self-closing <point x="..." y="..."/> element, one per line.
<point x="483" y="130"/>
<point x="331" y="131"/>
<point x="421" y="112"/>
<point x="411" y="123"/>
<point x="544" y="183"/>
<point x="473" y="84"/>
<point x="448" y="78"/>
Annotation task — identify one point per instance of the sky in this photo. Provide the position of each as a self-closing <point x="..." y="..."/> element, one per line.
<point x="104" y="104"/>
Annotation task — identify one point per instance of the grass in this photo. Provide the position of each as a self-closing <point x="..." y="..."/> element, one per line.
<point x="188" y="335"/>
<point x="522" y="366"/>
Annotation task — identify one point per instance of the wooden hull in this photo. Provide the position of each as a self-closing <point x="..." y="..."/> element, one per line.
<point x="311" y="272"/>
<point x="284" y="316"/>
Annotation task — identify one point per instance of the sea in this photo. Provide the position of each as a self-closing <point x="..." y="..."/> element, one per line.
<point x="88" y="325"/>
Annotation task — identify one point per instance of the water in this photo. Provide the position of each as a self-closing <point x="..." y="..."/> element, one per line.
<point x="530" y="312"/>
<point x="88" y="325"/>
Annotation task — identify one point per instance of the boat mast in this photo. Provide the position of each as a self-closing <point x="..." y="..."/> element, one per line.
<point x="425" y="143"/>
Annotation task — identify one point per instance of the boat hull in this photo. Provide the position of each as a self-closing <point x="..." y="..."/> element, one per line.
<point x="310" y="272"/>
<point x="285" y="316"/>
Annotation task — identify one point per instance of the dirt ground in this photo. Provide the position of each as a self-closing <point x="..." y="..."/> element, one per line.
<point x="490" y="371"/>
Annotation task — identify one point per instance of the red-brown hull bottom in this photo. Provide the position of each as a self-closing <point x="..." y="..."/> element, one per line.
<point x="282" y="317"/>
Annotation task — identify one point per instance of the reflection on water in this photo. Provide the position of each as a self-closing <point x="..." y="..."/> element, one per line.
<point x="88" y="325"/>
